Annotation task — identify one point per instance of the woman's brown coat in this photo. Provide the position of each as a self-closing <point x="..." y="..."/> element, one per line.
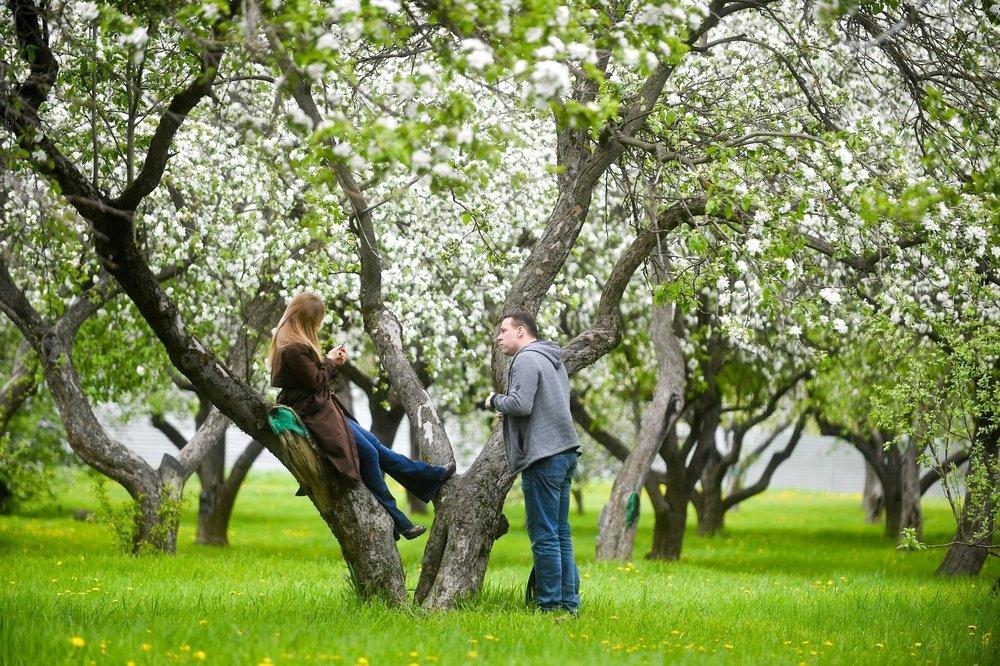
<point x="304" y="382"/>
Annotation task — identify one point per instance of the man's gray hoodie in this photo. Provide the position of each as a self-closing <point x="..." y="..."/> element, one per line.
<point x="537" y="421"/>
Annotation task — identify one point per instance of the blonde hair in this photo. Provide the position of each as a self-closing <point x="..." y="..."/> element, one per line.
<point x="299" y="324"/>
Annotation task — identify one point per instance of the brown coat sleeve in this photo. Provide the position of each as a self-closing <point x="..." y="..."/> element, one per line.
<point x="309" y="372"/>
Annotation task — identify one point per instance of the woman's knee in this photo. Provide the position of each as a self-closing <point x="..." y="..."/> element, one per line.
<point x="367" y="452"/>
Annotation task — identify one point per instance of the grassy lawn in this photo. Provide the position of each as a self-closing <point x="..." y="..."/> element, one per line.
<point x="796" y="578"/>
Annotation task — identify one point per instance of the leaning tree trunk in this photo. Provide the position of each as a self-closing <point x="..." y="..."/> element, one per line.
<point x="974" y="536"/>
<point x="618" y="522"/>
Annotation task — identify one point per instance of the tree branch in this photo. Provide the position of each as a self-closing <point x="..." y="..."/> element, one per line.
<point x="765" y="478"/>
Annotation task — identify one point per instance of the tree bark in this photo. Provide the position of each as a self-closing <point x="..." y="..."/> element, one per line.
<point x="872" y="496"/>
<point x="416" y="505"/>
<point x="910" y="514"/>
<point x="616" y="536"/>
<point x="213" y="530"/>
<point x="710" y="512"/>
<point x="975" y="533"/>
<point x="670" y="514"/>
<point x="19" y="386"/>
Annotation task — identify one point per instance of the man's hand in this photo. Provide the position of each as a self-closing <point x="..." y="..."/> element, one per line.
<point x="489" y="398"/>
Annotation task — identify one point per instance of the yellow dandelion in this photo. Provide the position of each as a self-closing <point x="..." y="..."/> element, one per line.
<point x="199" y="654"/>
<point x="362" y="661"/>
<point x="146" y="647"/>
<point x="727" y="646"/>
<point x="828" y="643"/>
<point x="77" y="641"/>
<point x="879" y="646"/>
<point x="472" y="653"/>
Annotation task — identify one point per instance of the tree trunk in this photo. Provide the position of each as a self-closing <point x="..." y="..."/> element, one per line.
<point x="974" y="536"/>
<point x="467" y="521"/>
<point x="158" y="515"/>
<point x="578" y="499"/>
<point x="711" y="515"/>
<point x="214" y="530"/>
<point x="212" y="474"/>
<point x="616" y="536"/>
<point x="910" y="514"/>
<point x="5" y="494"/>
<point x="872" y="497"/>
<point x="416" y="505"/>
<point x="892" y="486"/>
<point x="670" y="519"/>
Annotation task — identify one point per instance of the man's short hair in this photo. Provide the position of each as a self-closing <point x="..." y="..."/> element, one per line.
<point x="522" y="318"/>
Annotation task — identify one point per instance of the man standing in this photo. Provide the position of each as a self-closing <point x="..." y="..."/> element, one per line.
<point x="542" y="445"/>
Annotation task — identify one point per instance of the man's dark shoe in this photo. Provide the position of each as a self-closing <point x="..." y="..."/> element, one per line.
<point x="300" y="492"/>
<point x="411" y="533"/>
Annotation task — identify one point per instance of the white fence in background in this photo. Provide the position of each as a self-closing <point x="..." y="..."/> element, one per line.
<point x="818" y="462"/>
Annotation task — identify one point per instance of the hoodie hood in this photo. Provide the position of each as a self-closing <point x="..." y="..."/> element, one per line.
<point x="548" y="349"/>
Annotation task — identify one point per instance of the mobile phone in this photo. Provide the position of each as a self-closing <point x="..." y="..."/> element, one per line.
<point x="342" y="344"/>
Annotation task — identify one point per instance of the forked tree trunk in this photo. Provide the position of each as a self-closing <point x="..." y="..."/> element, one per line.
<point x="468" y="519"/>
<point x="213" y="528"/>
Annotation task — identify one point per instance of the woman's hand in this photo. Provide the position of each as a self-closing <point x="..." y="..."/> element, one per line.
<point x="338" y="355"/>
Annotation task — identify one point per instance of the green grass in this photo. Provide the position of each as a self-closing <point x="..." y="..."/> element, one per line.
<point x="797" y="577"/>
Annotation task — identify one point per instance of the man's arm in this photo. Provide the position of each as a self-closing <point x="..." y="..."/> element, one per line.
<point x="520" y="398"/>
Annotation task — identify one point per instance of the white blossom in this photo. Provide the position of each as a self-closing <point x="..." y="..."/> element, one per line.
<point x="137" y="38"/>
<point x="830" y="296"/>
<point x="550" y="78"/>
<point x="88" y="11"/>
<point x="389" y="6"/>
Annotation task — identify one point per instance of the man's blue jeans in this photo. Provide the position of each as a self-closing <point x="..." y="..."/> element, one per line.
<point x="546" y="485"/>
<point x="418" y="477"/>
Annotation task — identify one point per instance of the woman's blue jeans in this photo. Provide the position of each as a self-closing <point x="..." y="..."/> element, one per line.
<point x="546" y="485"/>
<point x="418" y="477"/>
